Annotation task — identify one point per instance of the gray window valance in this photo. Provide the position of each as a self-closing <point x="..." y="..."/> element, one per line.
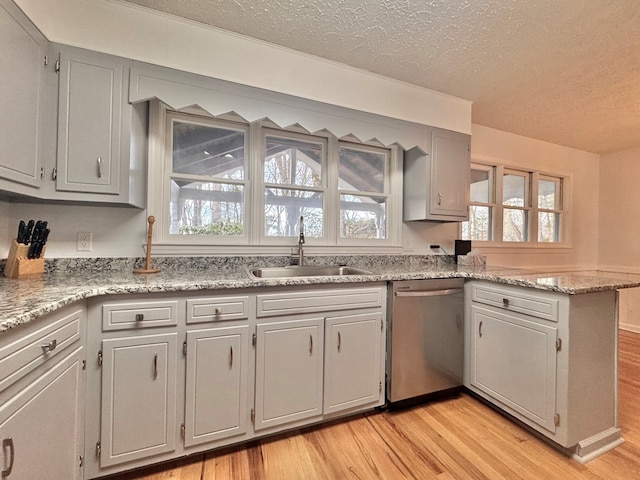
<point x="180" y="89"/>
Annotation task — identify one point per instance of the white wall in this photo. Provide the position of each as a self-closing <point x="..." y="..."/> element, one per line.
<point x="619" y="226"/>
<point x="583" y="169"/>
<point x="117" y="231"/>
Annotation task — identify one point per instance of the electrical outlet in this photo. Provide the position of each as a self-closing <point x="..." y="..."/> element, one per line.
<point x="84" y="241"/>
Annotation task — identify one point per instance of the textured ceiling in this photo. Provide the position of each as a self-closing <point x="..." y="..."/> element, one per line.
<point x="564" y="71"/>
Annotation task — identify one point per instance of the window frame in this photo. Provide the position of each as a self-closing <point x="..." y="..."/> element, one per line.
<point x="254" y="241"/>
<point x="499" y="168"/>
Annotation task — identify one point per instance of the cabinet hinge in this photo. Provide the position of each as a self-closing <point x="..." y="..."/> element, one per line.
<point x="253" y="416"/>
<point x="558" y="344"/>
<point x="182" y="431"/>
<point x="57" y="68"/>
<point x="84" y="364"/>
<point x="184" y="348"/>
<point x="81" y="463"/>
<point x="98" y="449"/>
<point x="556" y="419"/>
<point x="100" y="358"/>
<point x="254" y="339"/>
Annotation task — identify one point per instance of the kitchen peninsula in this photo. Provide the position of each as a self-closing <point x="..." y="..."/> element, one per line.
<point x="84" y="315"/>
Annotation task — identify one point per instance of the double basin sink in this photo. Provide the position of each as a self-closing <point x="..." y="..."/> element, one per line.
<point x="294" y="271"/>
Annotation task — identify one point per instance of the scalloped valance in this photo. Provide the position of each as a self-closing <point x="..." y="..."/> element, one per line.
<point x="180" y="89"/>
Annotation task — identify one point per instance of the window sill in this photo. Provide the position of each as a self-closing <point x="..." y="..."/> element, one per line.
<point x="172" y="249"/>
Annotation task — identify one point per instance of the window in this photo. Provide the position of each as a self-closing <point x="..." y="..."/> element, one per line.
<point x="294" y="184"/>
<point x="206" y="177"/>
<point x="364" y="190"/>
<point x="230" y="183"/>
<point x="481" y="204"/>
<point x="517" y="218"/>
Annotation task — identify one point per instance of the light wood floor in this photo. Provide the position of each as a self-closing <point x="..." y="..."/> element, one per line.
<point x="459" y="438"/>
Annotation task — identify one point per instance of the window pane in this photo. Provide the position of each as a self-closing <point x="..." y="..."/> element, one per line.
<point x="208" y="151"/>
<point x="514" y="225"/>
<point x="206" y="208"/>
<point x="293" y="162"/>
<point x="362" y="170"/>
<point x="479" y="225"/>
<point x="363" y="217"/>
<point x="548" y="194"/>
<point x="480" y="186"/>
<point x="514" y="190"/>
<point x="548" y="227"/>
<point x="283" y="208"/>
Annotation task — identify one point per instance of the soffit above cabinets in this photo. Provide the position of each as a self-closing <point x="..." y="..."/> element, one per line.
<point x="565" y="72"/>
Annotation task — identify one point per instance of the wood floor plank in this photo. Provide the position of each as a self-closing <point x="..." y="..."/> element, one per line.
<point x="456" y="439"/>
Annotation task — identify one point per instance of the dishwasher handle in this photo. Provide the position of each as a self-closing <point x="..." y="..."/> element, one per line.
<point x="428" y="293"/>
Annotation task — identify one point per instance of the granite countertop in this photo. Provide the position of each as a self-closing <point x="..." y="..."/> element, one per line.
<point x="66" y="282"/>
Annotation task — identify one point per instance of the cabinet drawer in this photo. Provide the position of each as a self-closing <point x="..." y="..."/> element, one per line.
<point x="318" y="301"/>
<point x="140" y="314"/>
<point x="30" y="351"/>
<point x="513" y="300"/>
<point x="216" y="309"/>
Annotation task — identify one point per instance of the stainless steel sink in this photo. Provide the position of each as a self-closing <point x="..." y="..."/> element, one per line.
<point x="305" y="271"/>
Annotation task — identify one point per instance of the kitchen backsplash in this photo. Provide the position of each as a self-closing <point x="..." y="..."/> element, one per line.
<point x="234" y="263"/>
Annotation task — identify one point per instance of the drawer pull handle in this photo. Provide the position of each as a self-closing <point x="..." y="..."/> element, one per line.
<point x="339" y="341"/>
<point x="310" y="345"/>
<point x="49" y="347"/>
<point x="480" y="329"/>
<point x="505" y="302"/>
<point x="230" y="356"/>
<point x="217" y="312"/>
<point x="139" y="317"/>
<point x="155" y="366"/>
<point x="8" y="443"/>
<point x="99" y="172"/>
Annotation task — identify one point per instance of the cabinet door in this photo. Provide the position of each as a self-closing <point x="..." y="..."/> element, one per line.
<point x="514" y="361"/>
<point x="352" y="361"/>
<point x="216" y="398"/>
<point x="138" y="397"/>
<point x="288" y="371"/>
<point x="40" y="427"/>
<point x="21" y="75"/>
<point x="89" y="122"/>
<point x="450" y="156"/>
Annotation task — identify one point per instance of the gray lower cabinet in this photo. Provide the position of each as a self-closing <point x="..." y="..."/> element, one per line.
<point x="42" y="381"/>
<point x="352" y="359"/>
<point x="289" y="371"/>
<point x="139" y="393"/>
<point x="21" y="89"/>
<point x="171" y="375"/>
<point x="217" y="363"/>
<point x="548" y="359"/>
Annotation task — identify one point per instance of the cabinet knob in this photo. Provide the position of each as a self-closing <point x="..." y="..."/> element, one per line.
<point x="49" y="347"/>
<point x="8" y="443"/>
<point x="505" y="302"/>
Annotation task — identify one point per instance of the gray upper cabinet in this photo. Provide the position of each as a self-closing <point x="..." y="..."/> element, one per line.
<point x="21" y="76"/>
<point x="436" y="184"/>
<point x="90" y="117"/>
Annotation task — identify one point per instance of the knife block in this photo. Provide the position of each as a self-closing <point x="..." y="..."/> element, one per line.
<point x="19" y="266"/>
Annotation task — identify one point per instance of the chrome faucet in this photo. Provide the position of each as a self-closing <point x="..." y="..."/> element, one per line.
<point x="301" y="242"/>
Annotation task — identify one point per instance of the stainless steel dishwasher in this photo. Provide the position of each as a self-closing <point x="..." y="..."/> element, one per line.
<point x="425" y="341"/>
